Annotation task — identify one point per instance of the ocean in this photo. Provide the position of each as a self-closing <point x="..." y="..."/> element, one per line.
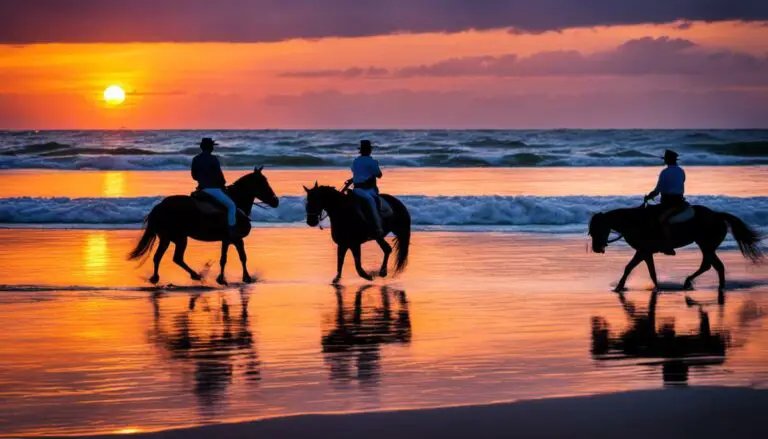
<point x="501" y="300"/>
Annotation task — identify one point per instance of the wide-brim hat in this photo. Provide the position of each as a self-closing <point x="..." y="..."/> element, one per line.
<point x="669" y="154"/>
<point x="207" y="141"/>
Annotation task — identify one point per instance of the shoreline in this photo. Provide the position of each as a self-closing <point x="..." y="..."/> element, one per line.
<point x="701" y="412"/>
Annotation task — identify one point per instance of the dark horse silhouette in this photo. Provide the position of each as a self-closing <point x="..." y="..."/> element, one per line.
<point x="349" y="230"/>
<point x="707" y="229"/>
<point x="675" y="351"/>
<point x="179" y="217"/>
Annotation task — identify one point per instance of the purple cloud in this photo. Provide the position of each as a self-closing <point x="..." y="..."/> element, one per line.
<point x="644" y="56"/>
<point x="42" y="21"/>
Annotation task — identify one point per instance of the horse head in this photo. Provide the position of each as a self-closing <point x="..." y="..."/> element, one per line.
<point x="256" y="184"/>
<point x="319" y="198"/>
<point x="599" y="230"/>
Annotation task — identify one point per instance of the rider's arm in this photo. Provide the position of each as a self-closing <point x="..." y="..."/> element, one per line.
<point x="378" y="173"/>
<point x="219" y="173"/>
<point x="195" y="170"/>
<point x="657" y="190"/>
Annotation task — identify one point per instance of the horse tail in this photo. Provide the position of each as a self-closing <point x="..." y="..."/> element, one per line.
<point x="402" y="232"/>
<point x="147" y="240"/>
<point x="747" y="238"/>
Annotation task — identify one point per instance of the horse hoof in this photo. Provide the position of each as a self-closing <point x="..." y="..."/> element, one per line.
<point x="688" y="286"/>
<point x="154" y="279"/>
<point x="336" y="280"/>
<point x="366" y="276"/>
<point x="221" y="281"/>
<point x="196" y="277"/>
<point x="247" y="279"/>
<point x="383" y="273"/>
<point x="619" y="289"/>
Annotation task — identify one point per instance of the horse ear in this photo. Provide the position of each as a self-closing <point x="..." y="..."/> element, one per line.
<point x="315" y="184"/>
<point x="306" y="189"/>
<point x="258" y="169"/>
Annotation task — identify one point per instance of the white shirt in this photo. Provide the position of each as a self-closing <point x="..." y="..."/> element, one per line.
<point x="671" y="181"/>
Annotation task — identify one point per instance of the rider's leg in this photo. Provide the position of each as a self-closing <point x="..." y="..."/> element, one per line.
<point x="227" y="202"/>
<point x="373" y="211"/>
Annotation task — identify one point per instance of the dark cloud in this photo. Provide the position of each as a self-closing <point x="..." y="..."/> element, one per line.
<point x="644" y="56"/>
<point x="354" y="72"/>
<point x="40" y="21"/>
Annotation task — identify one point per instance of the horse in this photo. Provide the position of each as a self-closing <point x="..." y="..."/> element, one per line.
<point x="707" y="229"/>
<point x="179" y="217"/>
<point x="349" y="229"/>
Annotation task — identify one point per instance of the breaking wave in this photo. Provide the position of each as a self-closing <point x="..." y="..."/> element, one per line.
<point x="461" y="211"/>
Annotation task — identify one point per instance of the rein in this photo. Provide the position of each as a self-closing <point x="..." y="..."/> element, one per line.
<point x="611" y="241"/>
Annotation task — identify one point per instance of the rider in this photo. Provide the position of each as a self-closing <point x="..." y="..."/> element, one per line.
<point x="206" y="170"/>
<point x="365" y="171"/>
<point x="671" y="186"/>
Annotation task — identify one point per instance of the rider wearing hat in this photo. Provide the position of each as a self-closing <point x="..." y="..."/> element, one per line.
<point x="671" y="186"/>
<point x="206" y="170"/>
<point x="365" y="171"/>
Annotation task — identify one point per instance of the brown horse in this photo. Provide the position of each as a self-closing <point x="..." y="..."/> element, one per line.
<point x="179" y="217"/>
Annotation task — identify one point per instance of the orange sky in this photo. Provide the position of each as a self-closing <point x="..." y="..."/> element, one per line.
<point x="228" y="85"/>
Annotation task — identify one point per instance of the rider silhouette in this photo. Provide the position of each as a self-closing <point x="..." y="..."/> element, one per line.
<point x="671" y="186"/>
<point x="365" y="171"/>
<point x="206" y="170"/>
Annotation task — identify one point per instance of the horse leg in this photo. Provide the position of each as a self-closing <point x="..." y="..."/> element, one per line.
<point x="706" y="264"/>
<point x="161" y="248"/>
<point x="341" y="253"/>
<point x="636" y="259"/>
<point x="240" y="246"/>
<point x="652" y="271"/>
<point x="720" y="268"/>
<point x="178" y="258"/>
<point x="221" y="280"/>
<point x="359" y="262"/>
<point x="387" y="249"/>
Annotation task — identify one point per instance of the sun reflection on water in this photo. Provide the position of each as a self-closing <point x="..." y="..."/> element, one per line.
<point x="114" y="184"/>
<point x="96" y="253"/>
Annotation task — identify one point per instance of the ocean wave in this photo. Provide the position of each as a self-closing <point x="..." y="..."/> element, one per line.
<point x="425" y="211"/>
<point x="150" y="150"/>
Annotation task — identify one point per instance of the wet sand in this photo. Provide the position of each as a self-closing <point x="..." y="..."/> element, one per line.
<point x="430" y="181"/>
<point x="89" y="348"/>
<point x="701" y="413"/>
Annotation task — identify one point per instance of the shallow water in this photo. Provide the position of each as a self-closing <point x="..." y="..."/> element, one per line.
<point x="478" y="317"/>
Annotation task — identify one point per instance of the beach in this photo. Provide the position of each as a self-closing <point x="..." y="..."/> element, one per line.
<point x="477" y="318"/>
<point x="504" y="322"/>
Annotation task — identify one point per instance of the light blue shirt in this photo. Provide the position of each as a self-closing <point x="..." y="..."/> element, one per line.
<point x="364" y="168"/>
<point x="671" y="181"/>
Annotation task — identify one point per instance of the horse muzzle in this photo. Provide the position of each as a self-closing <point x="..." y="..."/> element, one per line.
<point x="313" y="220"/>
<point x="273" y="202"/>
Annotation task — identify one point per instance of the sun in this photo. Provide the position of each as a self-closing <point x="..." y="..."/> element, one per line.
<point x="114" y="95"/>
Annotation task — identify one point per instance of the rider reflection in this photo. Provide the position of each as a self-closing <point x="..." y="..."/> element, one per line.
<point x="664" y="346"/>
<point x="211" y="338"/>
<point x="352" y="346"/>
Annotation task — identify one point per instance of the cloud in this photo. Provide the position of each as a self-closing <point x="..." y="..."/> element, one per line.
<point x="354" y="72"/>
<point x="42" y="21"/>
<point x="644" y="56"/>
<point x="458" y="109"/>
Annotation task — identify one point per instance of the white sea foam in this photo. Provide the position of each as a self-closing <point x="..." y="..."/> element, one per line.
<point x="539" y="213"/>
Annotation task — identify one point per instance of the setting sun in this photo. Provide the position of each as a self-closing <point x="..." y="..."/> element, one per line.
<point x="114" y="95"/>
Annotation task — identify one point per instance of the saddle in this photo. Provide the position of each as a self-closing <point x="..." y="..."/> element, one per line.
<point x="207" y="204"/>
<point x="385" y="209"/>
<point x="678" y="215"/>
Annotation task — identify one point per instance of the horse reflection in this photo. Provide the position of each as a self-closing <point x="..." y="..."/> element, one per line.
<point x="352" y="347"/>
<point x="676" y="353"/>
<point x="209" y="339"/>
